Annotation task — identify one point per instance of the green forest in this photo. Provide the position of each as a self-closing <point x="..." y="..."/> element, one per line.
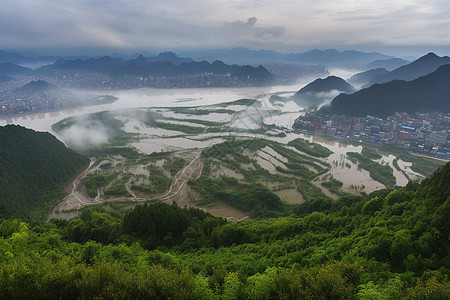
<point x="391" y="244"/>
<point x="34" y="167"/>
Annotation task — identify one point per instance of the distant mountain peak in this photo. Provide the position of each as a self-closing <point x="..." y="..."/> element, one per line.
<point x="167" y="54"/>
<point x="321" y="90"/>
<point x="430" y="57"/>
<point x="141" y="59"/>
<point x="430" y="54"/>
<point x="418" y="68"/>
<point x="427" y="93"/>
<point x="36" y="87"/>
<point x="326" y="85"/>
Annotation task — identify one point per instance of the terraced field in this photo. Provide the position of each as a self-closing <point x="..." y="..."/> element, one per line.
<point x="178" y="154"/>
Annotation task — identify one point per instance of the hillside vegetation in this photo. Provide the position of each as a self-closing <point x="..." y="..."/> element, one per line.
<point x="34" y="167"/>
<point x="425" y="94"/>
<point x="391" y="244"/>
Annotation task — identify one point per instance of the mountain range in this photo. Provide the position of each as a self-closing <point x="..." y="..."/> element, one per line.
<point x="13" y="69"/>
<point x="420" y="67"/>
<point x="230" y="56"/>
<point x="388" y="64"/>
<point x="142" y="67"/>
<point x="168" y="56"/>
<point x="365" y="79"/>
<point x="427" y="93"/>
<point x="314" y="57"/>
<point x="24" y="58"/>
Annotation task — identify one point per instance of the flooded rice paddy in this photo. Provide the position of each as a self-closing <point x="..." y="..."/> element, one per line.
<point x="200" y="106"/>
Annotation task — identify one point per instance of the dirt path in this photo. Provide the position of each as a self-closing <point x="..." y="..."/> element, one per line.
<point x="178" y="190"/>
<point x="73" y="201"/>
<point x="127" y="186"/>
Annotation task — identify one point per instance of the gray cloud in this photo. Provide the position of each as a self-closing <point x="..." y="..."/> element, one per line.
<point x="284" y="24"/>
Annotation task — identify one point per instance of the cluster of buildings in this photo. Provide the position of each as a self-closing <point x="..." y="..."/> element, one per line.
<point x="12" y="103"/>
<point x="200" y="80"/>
<point x="421" y="133"/>
<point x="102" y="81"/>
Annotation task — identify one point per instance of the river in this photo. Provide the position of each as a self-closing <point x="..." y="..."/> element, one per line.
<point x="342" y="168"/>
<point x="146" y="97"/>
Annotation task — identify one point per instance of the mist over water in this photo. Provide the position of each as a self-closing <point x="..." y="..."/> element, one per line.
<point x="131" y="109"/>
<point x="148" y="97"/>
<point x="91" y="134"/>
<point x="151" y="97"/>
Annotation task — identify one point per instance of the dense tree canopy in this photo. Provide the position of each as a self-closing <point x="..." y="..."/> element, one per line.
<point x="391" y="244"/>
<point x="34" y="167"/>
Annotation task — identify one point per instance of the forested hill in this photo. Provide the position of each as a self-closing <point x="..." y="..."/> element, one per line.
<point x="418" y="68"/>
<point x="326" y="85"/>
<point x="425" y="94"/>
<point x="391" y="244"/>
<point x="34" y="167"/>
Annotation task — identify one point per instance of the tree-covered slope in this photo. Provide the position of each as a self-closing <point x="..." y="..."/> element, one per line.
<point x="386" y="245"/>
<point x="366" y="77"/>
<point x="422" y="66"/>
<point x="326" y="85"/>
<point x="321" y="90"/>
<point x="425" y="94"/>
<point x="34" y="167"/>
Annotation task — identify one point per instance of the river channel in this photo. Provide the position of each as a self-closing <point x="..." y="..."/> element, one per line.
<point x="343" y="169"/>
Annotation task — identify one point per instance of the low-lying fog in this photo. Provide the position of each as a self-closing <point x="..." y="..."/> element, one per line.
<point x="282" y="111"/>
<point x="150" y="97"/>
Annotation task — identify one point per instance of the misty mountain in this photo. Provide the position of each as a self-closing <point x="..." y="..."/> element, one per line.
<point x="425" y="94"/>
<point x="5" y="78"/>
<point x="34" y="87"/>
<point x="321" y="57"/>
<point x="260" y="73"/>
<point x="388" y="64"/>
<point x="169" y="57"/>
<point x="289" y="73"/>
<point x="321" y="90"/>
<point x="326" y="85"/>
<point x="420" y="67"/>
<point x="238" y="55"/>
<point x="21" y="58"/>
<point x="13" y="69"/>
<point x="140" y="66"/>
<point x="334" y="57"/>
<point x="365" y="78"/>
<point x="11" y="57"/>
<point x="105" y="64"/>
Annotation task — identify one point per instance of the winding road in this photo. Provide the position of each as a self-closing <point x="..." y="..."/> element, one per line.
<point x="178" y="189"/>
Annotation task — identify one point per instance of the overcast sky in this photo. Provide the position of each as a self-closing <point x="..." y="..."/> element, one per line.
<point x="387" y="26"/>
